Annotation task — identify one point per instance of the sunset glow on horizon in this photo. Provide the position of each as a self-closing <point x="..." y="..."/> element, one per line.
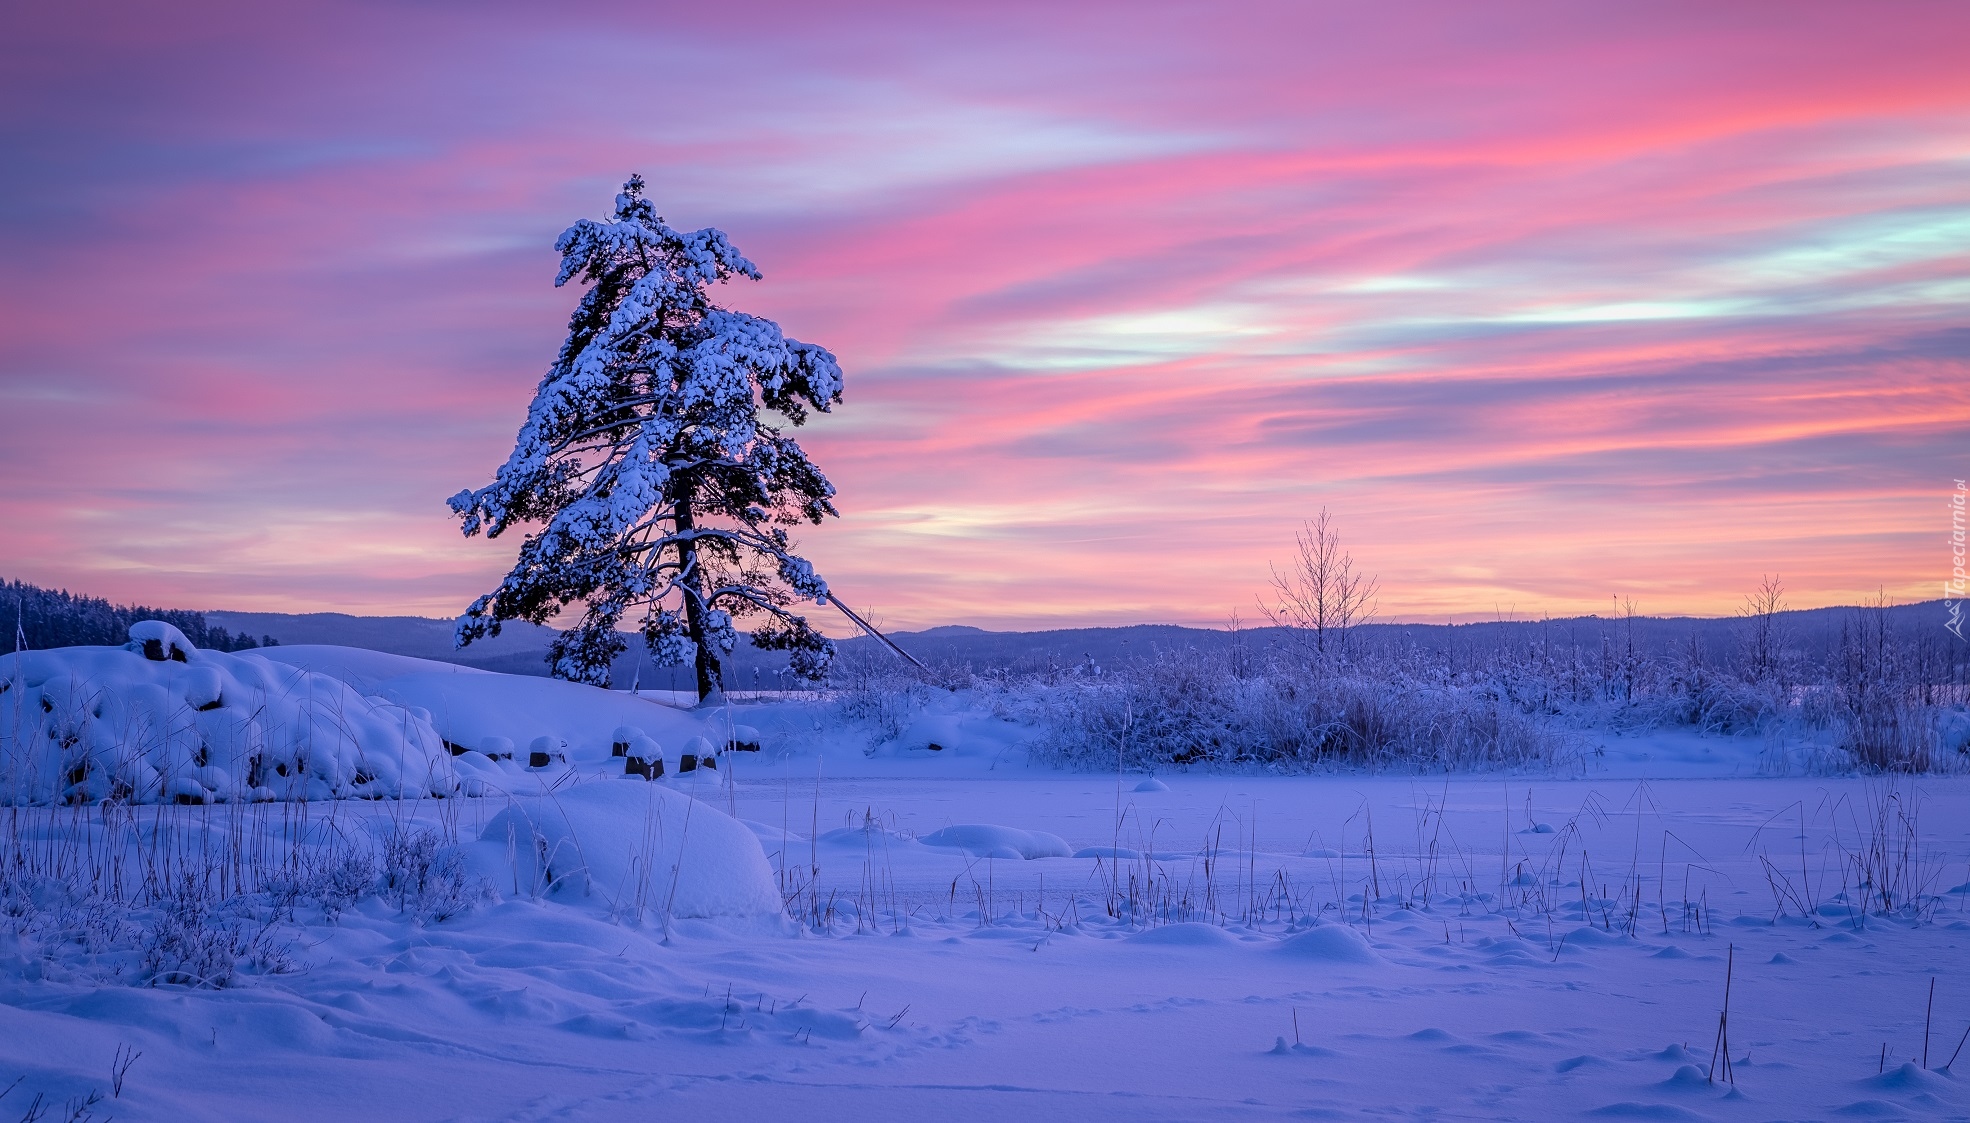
<point x="1548" y="308"/>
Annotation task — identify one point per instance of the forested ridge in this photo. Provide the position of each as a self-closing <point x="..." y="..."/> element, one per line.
<point x="58" y="618"/>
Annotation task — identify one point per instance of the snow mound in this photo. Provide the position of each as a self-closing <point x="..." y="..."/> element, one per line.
<point x="1908" y="1076"/>
<point x="1590" y="936"/>
<point x="634" y="847"/>
<point x="1152" y="785"/>
<point x="932" y="731"/>
<point x="1126" y="854"/>
<point x="863" y="837"/>
<point x="1329" y="943"/>
<point x="982" y="841"/>
<point x="1687" y="1076"/>
<point x="1629" y="1109"/>
<point x="1296" y="1049"/>
<point x="159" y="720"/>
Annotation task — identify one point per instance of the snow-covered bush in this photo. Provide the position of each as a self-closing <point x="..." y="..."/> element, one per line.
<point x="428" y="879"/>
<point x="1892" y="734"/>
<point x="1887" y="714"/>
<point x="1188" y="708"/>
<point x="50" y="911"/>
<point x="1689" y="692"/>
<point x="332" y="880"/>
<point x="876" y="691"/>
<point x="188" y="941"/>
<point x="158" y="720"/>
<point x="188" y="935"/>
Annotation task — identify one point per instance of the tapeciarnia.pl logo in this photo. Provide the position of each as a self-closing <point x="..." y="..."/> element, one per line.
<point x="1953" y="588"/>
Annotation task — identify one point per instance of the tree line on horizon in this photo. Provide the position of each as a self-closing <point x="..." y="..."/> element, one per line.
<point x="45" y="618"/>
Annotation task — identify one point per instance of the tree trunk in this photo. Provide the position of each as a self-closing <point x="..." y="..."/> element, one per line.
<point x="709" y="672"/>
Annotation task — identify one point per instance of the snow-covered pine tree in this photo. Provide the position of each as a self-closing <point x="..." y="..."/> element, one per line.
<point x="657" y="486"/>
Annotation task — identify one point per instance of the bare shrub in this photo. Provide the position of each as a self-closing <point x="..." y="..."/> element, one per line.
<point x="1763" y="634"/>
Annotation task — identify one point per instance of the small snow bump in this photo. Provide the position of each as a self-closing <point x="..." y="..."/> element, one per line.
<point x="1330" y="943"/>
<point x="1687" y="1076"/>
<point x="987" y="841"/>
<point x="1187" y="935"/>
<point x="1628" y="1109"/>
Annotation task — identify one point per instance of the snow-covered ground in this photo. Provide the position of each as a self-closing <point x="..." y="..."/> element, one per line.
<point x="972" y="936"/>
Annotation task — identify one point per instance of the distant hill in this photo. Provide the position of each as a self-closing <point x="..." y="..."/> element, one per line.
<point x="522" y="648"/>
<point x="519" y="649"/>
<point x="57" y="618"/>
<point x="1810" y="632"/>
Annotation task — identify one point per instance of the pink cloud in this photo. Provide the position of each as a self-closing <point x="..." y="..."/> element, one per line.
<point x="1549" y="304"/>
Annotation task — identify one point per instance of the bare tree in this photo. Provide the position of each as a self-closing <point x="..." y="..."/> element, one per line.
<point x="1321" y="594"/>
<point x="1762" y="638"/>
<point x="1631" y="656"/>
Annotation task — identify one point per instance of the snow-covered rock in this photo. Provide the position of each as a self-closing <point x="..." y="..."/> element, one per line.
<point x="160" y="720"/>
<point x="701" y="754"/>
<point x="546" y="751"/>
<point x="161" y="642"/>
<point x="622" y="738"/>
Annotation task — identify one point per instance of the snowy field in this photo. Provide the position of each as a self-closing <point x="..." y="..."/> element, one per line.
<point x="967" y="935"/>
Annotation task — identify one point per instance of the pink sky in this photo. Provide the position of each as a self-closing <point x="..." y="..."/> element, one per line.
<point x="1549" y="304"/>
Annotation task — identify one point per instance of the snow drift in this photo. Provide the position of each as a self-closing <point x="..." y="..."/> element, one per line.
<point x="467" y="707"/>
<point x="159" y="720"/>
